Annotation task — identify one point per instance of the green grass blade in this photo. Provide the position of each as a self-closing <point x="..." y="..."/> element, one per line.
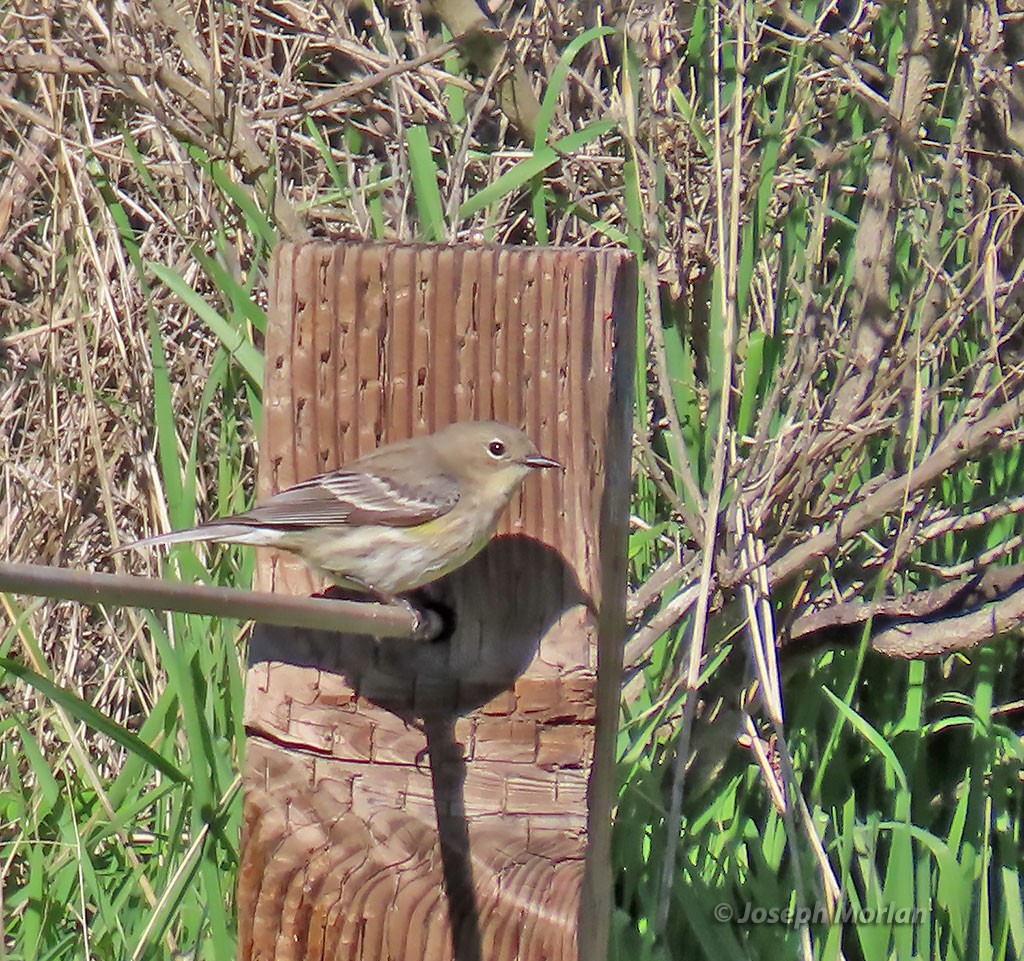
<point x="523" y="171"/>
<point x="429" y="206"/>
<point x="248" y="357"/>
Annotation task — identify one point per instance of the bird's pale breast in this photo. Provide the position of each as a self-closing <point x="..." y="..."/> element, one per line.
<point x="394" y="559"/>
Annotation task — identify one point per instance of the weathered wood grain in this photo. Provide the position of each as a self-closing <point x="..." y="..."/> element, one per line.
<point x="363" y="752"/>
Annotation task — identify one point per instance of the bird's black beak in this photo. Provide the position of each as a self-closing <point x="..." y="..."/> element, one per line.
<point x="539" y="460"/>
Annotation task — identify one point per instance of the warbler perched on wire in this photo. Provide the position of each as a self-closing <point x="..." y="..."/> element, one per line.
<point x="395" y="519"/>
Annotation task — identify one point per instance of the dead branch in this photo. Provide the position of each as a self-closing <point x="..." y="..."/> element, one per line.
<point x="964" y="441"/>
<point x="910" y="639"/>
<point x="873" y="327"/>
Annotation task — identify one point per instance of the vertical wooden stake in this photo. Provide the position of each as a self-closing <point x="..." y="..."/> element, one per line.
<point x="429" y="801"/>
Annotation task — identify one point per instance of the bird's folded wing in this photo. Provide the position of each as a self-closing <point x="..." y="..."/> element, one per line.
<point x="355" y="497"/>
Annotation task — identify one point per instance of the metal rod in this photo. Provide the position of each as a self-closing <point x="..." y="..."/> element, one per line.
<point x="123" y="590"/>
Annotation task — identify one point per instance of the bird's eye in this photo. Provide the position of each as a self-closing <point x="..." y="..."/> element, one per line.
<point x="496" y="448"/>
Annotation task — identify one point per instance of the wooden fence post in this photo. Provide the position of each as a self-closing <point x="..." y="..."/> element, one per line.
<point x="410" y="801"/>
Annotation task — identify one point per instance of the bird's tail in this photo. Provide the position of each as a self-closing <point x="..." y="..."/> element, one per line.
<point x="235" y="533"/>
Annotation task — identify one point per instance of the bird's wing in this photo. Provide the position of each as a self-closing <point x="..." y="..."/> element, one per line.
<point x="344" y="498"/>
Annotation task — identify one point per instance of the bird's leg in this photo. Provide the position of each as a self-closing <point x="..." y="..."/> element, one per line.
<point x="429" y="624"/>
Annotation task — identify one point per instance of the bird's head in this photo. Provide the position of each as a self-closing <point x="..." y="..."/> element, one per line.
<point x="493" y="456"/>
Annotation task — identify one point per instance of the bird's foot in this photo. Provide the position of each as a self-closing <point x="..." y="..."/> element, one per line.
<point x="429" y="623"/>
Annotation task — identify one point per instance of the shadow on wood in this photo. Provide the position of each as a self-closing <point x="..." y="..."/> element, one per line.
<point x="496" y="608"/>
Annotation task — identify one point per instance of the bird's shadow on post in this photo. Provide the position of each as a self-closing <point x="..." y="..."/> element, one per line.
<point x="496" y="610"/>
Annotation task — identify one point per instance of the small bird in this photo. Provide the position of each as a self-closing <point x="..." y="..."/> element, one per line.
<point x="395" y="519"/>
